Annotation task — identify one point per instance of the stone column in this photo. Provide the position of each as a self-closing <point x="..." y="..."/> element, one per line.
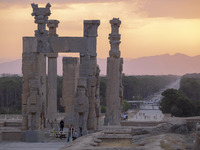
<point x="70" y="77"/>
<point x="52" y="88"/>
<point x="114" y="71"/>
<point x="52" y="77"/>
<point x="88" y="65"/>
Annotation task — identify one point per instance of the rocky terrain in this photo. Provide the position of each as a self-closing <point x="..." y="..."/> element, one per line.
<point x="169" y="134"/>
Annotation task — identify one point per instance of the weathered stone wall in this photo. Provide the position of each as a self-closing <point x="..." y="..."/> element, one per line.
<point x="34" y="91"/>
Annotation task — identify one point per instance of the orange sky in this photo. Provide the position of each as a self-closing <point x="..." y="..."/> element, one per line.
<point x="149" y="27"/>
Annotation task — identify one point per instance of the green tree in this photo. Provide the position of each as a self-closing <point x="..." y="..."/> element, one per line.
<point x="125" y="105"/>
<point x="176" y="103"/>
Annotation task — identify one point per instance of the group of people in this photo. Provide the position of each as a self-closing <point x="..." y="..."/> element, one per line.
<point x="72" y="132"/>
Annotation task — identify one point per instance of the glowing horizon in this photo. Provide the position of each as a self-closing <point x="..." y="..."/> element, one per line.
<point x="148" y="28"/>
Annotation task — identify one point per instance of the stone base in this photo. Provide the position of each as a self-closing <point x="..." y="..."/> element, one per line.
<point x="34" y="136"/>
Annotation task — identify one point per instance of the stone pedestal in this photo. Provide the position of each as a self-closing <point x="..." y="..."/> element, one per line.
<point x="70" y="78"/>
<point x="52" y="87"/>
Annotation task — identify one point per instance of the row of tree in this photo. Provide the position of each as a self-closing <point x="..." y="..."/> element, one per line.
<point x="184" y="102"/>
<point x="11" y="89"/>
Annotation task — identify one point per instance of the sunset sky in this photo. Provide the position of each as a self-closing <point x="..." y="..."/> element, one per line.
<point x="149" y="27"/>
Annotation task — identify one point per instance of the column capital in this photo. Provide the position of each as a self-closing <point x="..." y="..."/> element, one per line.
<point x="41" y="17"/>
<point x="115" y="38"/>
<point x="90" y="28"/>
<point x="52" y="24"/>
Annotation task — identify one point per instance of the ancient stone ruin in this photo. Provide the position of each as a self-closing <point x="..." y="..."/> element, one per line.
<point x="80" y="91"/>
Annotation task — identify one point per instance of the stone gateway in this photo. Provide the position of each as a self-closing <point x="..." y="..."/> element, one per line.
<point x="80" y="93"/>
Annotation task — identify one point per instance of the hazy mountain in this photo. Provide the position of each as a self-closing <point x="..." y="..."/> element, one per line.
<point x="177" y="64"/>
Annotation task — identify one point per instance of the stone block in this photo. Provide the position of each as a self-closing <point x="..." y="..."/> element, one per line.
<point x="11" y="136"/>
<point x="34" y="136"/>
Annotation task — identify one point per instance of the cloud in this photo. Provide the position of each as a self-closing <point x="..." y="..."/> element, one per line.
<point x="26" y="3"/>
<point x="170" y="8"/>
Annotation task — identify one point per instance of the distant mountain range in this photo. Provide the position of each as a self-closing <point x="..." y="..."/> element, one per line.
<point x="177" y="64"/>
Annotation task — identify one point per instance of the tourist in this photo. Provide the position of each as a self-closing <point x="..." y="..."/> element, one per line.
<point x="61" y="125"/>
<point x="124" y="116"/>
<point x="71" y="130"/>
<point x="75" y="135"/>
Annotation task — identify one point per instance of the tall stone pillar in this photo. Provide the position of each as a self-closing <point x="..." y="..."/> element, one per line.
<point x="88" y="65"/>
<point x="34" y="91"/>
<point x="52" y="76"/>
<point x="70" y="79"/>
<point x="52" y="88"/>
<point x="114" y="74"/>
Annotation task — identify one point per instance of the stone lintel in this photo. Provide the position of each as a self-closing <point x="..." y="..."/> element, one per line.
<point x="52" y="55"/>
<point x="70" y="60"/>
<point x="55" y="44"/>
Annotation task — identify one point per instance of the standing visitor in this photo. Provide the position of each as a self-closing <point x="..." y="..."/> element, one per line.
<point x="61" y="125"/>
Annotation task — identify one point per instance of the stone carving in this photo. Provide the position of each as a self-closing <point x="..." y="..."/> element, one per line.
<point x="114" y="89"/>
<point x="81" y="106"/>
<point x="41" y="17"/>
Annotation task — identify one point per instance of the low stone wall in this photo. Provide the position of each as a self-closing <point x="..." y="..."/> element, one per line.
<point x="138" y="124"/>
<point x="11" y="136"/>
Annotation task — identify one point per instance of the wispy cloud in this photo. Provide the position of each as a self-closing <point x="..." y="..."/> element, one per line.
<point x="170" y="8"/>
